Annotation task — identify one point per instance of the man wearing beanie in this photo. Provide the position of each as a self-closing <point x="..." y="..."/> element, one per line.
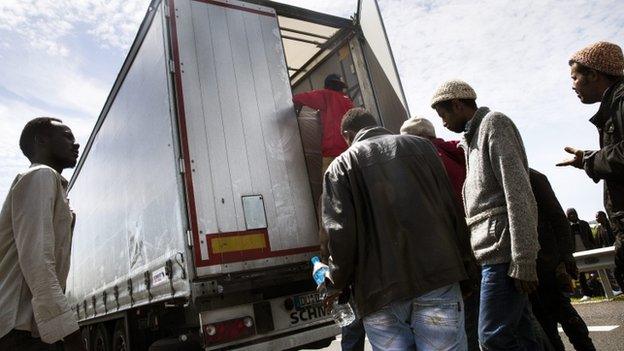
<point x="501" y="213"/>
<point x="597" y="73"/>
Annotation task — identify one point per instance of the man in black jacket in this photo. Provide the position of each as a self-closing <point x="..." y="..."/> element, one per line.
<point x="397" y="235"/>
<point x="554" y="260"/>
<point x="581" y="240"/>
<point x="597" y="73"/>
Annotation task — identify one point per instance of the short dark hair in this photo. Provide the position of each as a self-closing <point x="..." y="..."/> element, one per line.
<point x="584" y="70"/>
<point x="35" y="128"/>
<point x="334" y="82"/>
<point x="356" y="119"/>
<point x="448" y="104"/>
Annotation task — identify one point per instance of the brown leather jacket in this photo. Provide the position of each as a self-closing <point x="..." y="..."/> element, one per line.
<point x="395" y="230"/>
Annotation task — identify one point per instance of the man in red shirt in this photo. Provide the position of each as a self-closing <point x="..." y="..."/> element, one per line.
<point x="451" y="155"/>
<point x="333" y="103"/>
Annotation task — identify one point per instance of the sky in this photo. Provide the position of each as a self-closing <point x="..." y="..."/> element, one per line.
<point x="60" y="58"/>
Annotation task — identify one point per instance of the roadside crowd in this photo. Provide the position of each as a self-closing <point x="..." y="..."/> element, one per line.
<point x="440" y="245"/>
<point x="461" y="245"/>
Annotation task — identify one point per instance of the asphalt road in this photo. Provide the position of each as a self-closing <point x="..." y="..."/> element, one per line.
<point x="602" y="314"/>
<point x="599" y="317"/>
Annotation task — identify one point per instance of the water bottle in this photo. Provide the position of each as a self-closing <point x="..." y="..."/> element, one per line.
<point x="319" y="270"/>
<point x="342" y="313"/>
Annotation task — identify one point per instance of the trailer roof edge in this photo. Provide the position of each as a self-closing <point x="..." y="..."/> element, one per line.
<point x="123" y="71"/>
<point x="304" y="14"/>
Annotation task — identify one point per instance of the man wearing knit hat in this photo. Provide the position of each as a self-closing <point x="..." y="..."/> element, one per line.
<point x="501" y="213"/>
<point x="597" y="73"/>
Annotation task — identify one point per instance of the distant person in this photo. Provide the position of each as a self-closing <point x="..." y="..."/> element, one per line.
<point x="36" y="226"/>
<point x="582" y="240"/>
<point x="501" y="213"/>
<point x="581" y="232"/>
<point x="605" y="236"/>
<point x="597" y="73"/>
<point x="332" y="103"/>
<point x="455" y="164"/>
<point x="554" y="260"/>
<point x="396" y="234"/>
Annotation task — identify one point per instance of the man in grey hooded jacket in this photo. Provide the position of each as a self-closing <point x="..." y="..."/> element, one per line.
<point x="501" y="213"/>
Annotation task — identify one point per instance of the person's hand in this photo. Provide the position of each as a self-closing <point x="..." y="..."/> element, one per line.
<point x="577" y="161"/>
<point x="330" y="297"/>
<point x="74" y="342"/>
<point x="571" y="269"/>
<point x="525" y="286"/>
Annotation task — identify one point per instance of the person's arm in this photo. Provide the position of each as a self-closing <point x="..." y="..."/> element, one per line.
<point x="556" y="217"/>
<point x="339" y="222"/>
<point x="33" y="199"/>
<point x="507" y="157"/>
<point x="586" y="235"/>
<point x="608" y="162"/>
<point x="456" y="211"/>
<point x="313" y="99"/>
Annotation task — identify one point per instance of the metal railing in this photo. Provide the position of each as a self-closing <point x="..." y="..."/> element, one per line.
<point x="598" y="260"/>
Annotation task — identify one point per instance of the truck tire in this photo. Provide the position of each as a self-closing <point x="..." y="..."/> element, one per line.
<point x="101" y="339"/>
<point x="120" y="339"/>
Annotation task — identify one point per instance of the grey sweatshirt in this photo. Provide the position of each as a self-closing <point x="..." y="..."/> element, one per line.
<point x="500" y="207"/>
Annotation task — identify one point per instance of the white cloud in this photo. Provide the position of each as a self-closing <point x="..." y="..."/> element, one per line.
<point x="46" y="24"/>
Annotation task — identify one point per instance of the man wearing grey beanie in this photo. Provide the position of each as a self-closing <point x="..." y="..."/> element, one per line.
<point x="597" y="73"/>
<point x="502" y="215"/>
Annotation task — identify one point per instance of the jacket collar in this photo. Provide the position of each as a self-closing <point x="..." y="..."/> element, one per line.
<point x="473" y="125"/>
<point x="370" y="132"/>
<point x="64" y="181"/>
<point x="602" y="115"/>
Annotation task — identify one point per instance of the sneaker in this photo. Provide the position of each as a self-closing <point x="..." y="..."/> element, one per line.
<point x="585" y="298"/>
<point x="617" y="293"/>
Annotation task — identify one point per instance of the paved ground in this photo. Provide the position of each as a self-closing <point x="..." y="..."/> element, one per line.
<point x="602" y="314"/>
<point x="599" y="316"/>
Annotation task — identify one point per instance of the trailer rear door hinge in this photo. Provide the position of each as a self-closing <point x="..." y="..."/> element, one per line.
<point x="181" y="165"/>
<point x="189" y="238"/>
<point x="171" y="66"/>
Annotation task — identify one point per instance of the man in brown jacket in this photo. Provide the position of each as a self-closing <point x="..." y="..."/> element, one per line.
<point x="397" y="235"/>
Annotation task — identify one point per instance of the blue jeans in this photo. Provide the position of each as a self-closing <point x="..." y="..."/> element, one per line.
<point x="433" y="321"/>
<point x="505" y="314"/>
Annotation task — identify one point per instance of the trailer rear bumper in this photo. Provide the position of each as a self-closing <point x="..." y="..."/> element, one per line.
<point x="288" y="341"/>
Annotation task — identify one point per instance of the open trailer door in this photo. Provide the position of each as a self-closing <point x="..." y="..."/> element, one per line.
<point x="386" y="84"/>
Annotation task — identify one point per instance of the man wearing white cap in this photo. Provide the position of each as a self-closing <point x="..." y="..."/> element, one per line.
<point x="501" y="213"/>
<point x="597" y="73"/>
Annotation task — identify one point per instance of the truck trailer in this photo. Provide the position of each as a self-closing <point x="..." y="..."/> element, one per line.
<point x="197" y="191"/>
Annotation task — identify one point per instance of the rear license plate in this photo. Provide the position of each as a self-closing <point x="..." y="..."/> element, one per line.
<point x="305" y="308"/>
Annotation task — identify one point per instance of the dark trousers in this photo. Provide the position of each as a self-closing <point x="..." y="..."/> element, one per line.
<point x="19" y="340"/>
<point x="618" y="272"/>
<point x="353" y="336"/>
<point x="552" y="306"/>
<point x="471" y="320"/>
